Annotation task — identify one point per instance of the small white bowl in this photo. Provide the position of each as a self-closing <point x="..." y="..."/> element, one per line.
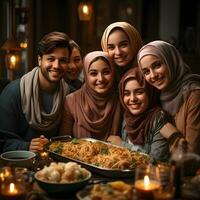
<point x="18" y="158"/>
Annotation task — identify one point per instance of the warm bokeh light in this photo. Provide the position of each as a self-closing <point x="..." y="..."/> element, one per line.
<point x="85" y="9"/>
<point x="13" y="60"/>
<point x="23" y="45"/>
<point x="12" y="188"/>
<point x="2" y="176"/>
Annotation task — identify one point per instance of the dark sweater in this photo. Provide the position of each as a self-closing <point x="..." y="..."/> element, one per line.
<point x="15" y="132"/>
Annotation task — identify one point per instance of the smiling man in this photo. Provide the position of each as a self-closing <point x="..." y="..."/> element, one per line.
<point x="30" y="107"/>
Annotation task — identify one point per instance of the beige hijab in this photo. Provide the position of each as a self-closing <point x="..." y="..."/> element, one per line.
<point x="95" y="115"/>
<point x="182" y="80"/>
<point x="133" y="35"/>
<point x="30" y="102"/>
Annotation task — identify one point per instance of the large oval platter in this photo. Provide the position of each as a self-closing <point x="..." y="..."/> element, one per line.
<point x="98" y="156"/>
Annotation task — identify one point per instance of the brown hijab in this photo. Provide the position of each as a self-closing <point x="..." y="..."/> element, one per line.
<point x="138" y="126"/>
<point x="97" y="115"/>
<point x="182" y="80"/>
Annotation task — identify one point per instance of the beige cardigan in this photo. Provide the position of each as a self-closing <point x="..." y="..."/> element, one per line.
<point x="188" y="121"/>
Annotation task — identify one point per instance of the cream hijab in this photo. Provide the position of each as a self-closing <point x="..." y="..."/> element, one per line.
<point x="133" y="35"/>
<point x="182" y="80"/>
<point x="30" y="102"/>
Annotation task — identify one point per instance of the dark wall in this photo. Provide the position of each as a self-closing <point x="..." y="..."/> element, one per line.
<point x="48" y="16"/>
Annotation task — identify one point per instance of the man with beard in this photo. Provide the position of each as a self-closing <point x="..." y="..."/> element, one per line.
<point x="31" y="107"/>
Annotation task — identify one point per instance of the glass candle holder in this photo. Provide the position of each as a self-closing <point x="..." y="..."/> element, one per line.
<point x="166" y="178"/>
<point x="146" y="181"/>
<point x="11" y="187"/>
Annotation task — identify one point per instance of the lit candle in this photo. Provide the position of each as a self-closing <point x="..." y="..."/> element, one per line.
<point x="145" y="187"/>
<point x="12" y="192"/>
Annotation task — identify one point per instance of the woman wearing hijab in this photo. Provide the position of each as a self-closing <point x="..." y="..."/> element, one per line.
<point x="143" y="116"/>
<point x="94" y="110"/>
<point x="122" y="42"/>
<point x="164" y="68"/>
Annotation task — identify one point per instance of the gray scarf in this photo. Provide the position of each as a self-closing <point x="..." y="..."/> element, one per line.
<point x="30" y="102"/>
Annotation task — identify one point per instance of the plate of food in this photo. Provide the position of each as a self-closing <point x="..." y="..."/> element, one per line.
<point x="107" y="191"/>
<point x="98" y="156"/>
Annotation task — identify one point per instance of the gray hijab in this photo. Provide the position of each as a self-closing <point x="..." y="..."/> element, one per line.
<point x="182" y="80"/>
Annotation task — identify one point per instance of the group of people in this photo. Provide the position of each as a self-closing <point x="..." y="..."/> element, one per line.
<point x="141" y="97"/>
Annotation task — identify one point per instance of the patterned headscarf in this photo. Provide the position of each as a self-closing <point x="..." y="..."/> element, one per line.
<point x="138" y="126"/>
<point x="182" y="80"/>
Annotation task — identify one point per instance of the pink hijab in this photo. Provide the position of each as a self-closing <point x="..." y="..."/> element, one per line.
<point x="138" y="126"/>
<point x="182" y="80"/>
<point x="97" y="115"/>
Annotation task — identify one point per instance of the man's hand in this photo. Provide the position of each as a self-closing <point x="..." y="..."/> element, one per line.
<point x="37" y="144"/>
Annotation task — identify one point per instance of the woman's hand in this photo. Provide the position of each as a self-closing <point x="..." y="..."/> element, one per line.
<point x="37" y="144"/>
<point x="114" y="139"/>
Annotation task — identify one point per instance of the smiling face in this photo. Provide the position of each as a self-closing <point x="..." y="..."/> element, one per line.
<point x="75" y="65"/>
<point x="100" y="76"/>
<point x="135" y="98"/>
<point x="119" y="48"/>
<point x="155" y="72"/>
<point x="54" y="65"/>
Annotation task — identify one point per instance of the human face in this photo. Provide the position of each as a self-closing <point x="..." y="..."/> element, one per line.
<point x="155" y="72"/>
<point x="100" y="76"/>
<point x="75" y="65"/>
<point x="135" y="98"/>
<point x="54" y="65"/>
<point x="119" y="48"/>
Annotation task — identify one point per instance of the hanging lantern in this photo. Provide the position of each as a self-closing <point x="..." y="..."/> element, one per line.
<point x="12" y="57"/>
<point x="12" y="60"/>
<point x="85" y="11"/>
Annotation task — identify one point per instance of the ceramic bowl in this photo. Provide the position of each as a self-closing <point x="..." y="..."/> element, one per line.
<point x="61" y="188"/>
<point x="18" y="158"/>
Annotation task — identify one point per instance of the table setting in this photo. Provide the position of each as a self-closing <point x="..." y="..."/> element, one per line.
<point x="88" y="169"/>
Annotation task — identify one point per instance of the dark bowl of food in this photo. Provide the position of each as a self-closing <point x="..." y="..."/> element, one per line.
<point x="61" y="178"/>
<point x="18" y="158"/>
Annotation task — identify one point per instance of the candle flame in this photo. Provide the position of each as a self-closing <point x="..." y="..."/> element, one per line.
<point x="146" y="181"/>
<point x="12" y="187"/>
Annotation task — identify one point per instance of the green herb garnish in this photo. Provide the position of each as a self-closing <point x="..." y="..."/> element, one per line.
<point x="104" y="150"/>
<point x="75" y="141"/>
